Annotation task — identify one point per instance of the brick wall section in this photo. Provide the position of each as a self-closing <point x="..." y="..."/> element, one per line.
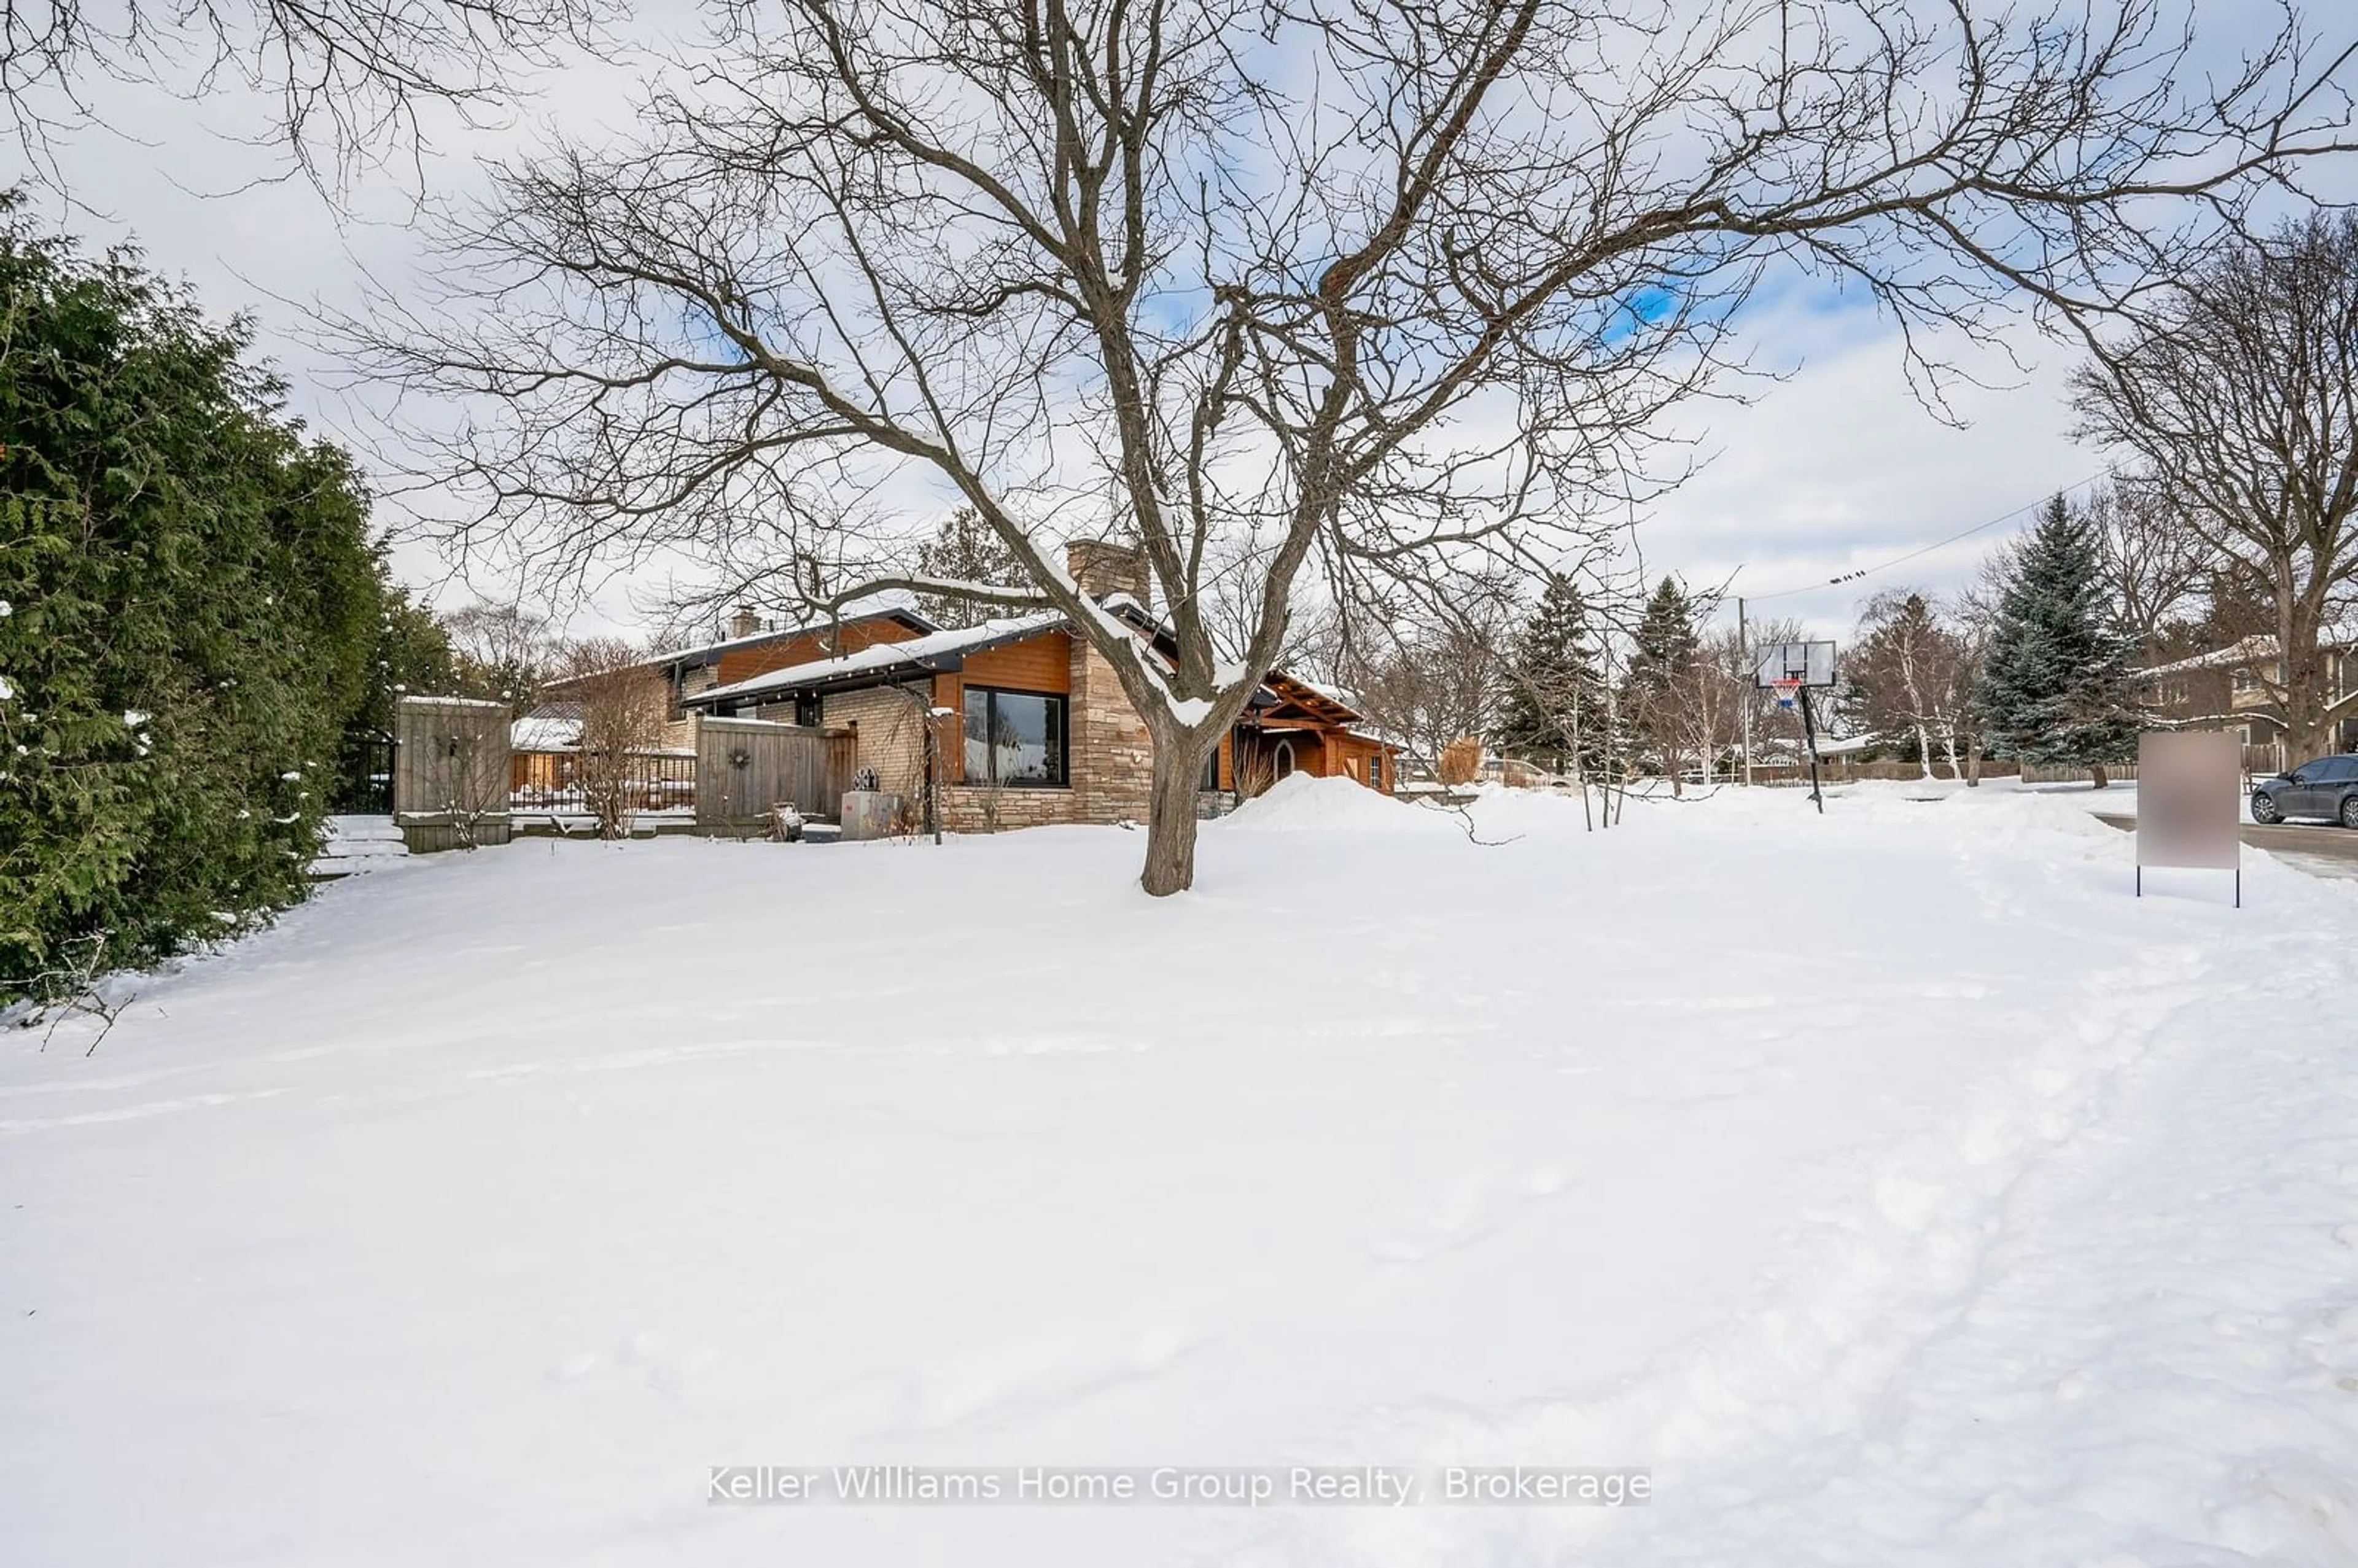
<point x="891" y="725"/>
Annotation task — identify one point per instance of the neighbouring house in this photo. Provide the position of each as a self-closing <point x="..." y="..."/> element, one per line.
<point x="1018" y="722"/>
<point x="544" y="770"/>
<point x="543" y="747"/>
<point x="753" y="647"/>
<point x="2227" y="688"/>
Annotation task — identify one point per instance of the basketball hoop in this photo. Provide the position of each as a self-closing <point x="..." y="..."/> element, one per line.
<point x="1787" y="688"/>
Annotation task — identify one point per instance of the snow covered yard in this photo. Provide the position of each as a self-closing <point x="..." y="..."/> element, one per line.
<point x="1892" y="1185"/>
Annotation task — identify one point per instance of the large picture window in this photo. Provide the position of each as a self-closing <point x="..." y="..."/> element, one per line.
<point x="1014" y="738"/>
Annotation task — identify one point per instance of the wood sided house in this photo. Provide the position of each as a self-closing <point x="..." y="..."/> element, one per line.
<point x="1025" y="723"/>
<point x="751" y="649"/>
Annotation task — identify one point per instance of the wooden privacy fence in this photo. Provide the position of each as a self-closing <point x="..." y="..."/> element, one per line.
<point x="745" y="766"/>
<point x="1843" y="769"/>
<point x="450" y="772"/>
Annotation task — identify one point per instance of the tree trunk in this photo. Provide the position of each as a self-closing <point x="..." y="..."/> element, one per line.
<point x="1924" y="752"/>
<point x="1171" y="816"/>
<point x="1973" y="764"/>
<point x="2101" y="778"/>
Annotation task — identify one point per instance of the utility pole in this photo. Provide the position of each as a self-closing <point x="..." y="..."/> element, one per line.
<point x="1745" y="686"/>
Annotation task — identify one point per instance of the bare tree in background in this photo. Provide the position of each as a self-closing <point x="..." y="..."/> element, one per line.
<point x="2154" y="556"/>
<point x="1913" y="672"/>
<point x="624" y="706"/>
<point x="1426" y="680"/>
<point x="352" y="77"/>
<point x="2238" y="387"/>
<point x="504" y="652"/>
<point x="1971" y="616"/>
<point x="1397" y="283"/>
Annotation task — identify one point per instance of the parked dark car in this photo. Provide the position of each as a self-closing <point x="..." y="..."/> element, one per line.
<point x="2326" y="787"/>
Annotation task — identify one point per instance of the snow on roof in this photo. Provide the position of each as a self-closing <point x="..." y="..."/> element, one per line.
<point x="888" y="656"/>
<point x="2255" y="649"/>
<point x="544" y="732"/>
<point x="1333" y="694"/>
<point x="891" y="602"/>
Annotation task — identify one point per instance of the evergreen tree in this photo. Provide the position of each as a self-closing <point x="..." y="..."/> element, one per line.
<point x="2055" y="687"/>
<point x="964" y="550"/>
<point x="1657" y="691"/>
<point x="1553" y="690"/>
<point x="187" y="600"/>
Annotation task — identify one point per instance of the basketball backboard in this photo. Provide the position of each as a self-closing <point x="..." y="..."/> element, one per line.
<point x="1812" y="663"/>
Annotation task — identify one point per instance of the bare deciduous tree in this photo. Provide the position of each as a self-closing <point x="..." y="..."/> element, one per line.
<point x="2155" y="558"/>
<point x="2238" y="387"/>
<point x="1394" y="283"/>
<point x="351" y="77"/>
<point x="1914" y="674"/>
<point x="624" y="706"/>
<point x="1426" y="683"/>
<point x="506" y="652"/>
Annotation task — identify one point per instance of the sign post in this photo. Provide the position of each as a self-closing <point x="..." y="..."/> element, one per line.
<point x="2190" y="787"/>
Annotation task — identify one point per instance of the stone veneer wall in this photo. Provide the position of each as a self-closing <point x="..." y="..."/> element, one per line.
<point x="967" y="809"/>
<point x="1112" y="756"/>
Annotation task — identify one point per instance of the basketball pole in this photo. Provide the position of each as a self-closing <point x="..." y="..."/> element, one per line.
<point x="1744" y="660"/>
<point x="1809" y="732"/>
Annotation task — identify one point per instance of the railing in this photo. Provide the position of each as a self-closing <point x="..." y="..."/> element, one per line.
<point x="651" y="781"/>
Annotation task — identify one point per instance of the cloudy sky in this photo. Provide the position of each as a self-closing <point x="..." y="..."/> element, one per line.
<point x="1835" y="469"/>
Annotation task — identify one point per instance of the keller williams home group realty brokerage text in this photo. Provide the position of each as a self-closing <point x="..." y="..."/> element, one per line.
<point x="1288" y="1486"/>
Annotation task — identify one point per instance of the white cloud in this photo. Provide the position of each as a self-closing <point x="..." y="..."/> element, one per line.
<point x="1839" y="468"/>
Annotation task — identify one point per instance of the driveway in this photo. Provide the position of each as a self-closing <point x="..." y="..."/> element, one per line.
<point x="2321" y="851"/>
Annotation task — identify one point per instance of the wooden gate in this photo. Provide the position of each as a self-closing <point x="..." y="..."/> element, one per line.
<point x="745" y="766"/>
<point x="450" y="772"/>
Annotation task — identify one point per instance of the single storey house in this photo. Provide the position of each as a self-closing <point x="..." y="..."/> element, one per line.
<point x="1021" y="722"/>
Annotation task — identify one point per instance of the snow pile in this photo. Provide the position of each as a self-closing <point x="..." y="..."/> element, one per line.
<point x="1300" y="802"/>
<point x="1891" y="1185"/>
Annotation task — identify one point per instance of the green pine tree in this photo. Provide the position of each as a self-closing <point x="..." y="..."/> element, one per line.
<point x="187" y="600"/>
<point x="2055" y="687"/>
<point x="1663" y="666"/>
<point x="1553" y="690"/>
<point x="964" y="549"/>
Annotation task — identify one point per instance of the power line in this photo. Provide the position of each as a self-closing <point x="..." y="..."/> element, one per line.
<point x="1927" y="549"/>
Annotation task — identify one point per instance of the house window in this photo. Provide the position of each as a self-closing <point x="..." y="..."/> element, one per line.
<point x="2246" y="680"/>
<point x="809" y="711"/>
<point x="1282" y="765"/>
<point x="1211" y="779"/>
<point x="1014" y="738"/>
<point x="1375" y="770"/>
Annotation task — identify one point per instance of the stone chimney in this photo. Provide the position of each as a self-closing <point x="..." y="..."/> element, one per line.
<point x="1103" y="567"/>
<point x="744" y="623"/>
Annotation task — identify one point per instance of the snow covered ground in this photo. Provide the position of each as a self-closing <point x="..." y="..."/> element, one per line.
<point x="1892" y="1186"/>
